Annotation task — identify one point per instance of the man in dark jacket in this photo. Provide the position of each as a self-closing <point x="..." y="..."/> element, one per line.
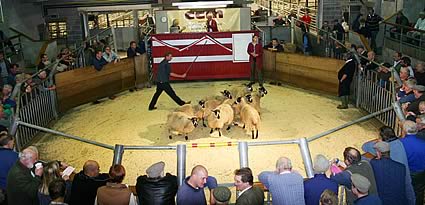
<point x="22" y="183"/>
<point x="85" y="184"/>
<point x="372" y="23"/>
<point x="155" y="188"/>
<point x="248" y="195"/>
<point x="345" y="76"/>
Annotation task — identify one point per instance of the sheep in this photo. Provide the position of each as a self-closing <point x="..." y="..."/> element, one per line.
<point x="255" y="99"/>
<point x="187" y="108"/>
<point x="206" y="107"/>
<point x="249" y="116"/>
<point x="237" y="91"/>
<point x="181" y="123"/>
<point x="219" y="117"/>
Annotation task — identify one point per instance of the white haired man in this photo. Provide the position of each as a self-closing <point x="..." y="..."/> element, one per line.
<point x="22" y="182"/>
<point x="415" y="152"/>
<point x="285" y="185"/>
<point x="315" y="186"/>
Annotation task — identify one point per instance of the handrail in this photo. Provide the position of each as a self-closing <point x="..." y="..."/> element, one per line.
<point x="391" y="16"/>
<point x="24" y="35"/>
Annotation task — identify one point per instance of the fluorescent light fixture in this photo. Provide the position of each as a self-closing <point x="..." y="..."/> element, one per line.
<point x="202" y="4"/>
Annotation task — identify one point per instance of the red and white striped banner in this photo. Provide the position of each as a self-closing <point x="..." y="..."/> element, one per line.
<point x="208" y="55"/>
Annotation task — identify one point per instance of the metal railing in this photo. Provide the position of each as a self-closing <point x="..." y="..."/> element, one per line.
<point x="405" y="38"/>
<point x="35" y="104"/>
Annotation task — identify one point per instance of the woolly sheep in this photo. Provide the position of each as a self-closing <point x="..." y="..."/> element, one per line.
<point x="181" y="123"/>
<point x="206" y="107"/>
<point x="249" y="116"/>
<point x="255" y="99"/>
<point x="219" y="117"/>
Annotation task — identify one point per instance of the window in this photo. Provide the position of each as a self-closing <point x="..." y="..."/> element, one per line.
<point x="57" y="29"/>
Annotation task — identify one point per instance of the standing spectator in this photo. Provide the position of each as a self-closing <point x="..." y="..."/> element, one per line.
<point x="420" y="73"/>
<point x="387" y="170"/>
<point x="4" y="40"/>
<point x="191" y="192"/>
<point x="355" y="26"/>
<point x="51" y="172"/>
<point x="133" y="50"/>
<point x="285" y="185"/>
<point x="222" y="195"/>
<point x="22" y="182"/>
<point x="372" y="23"/>
<point x="85" y="184"/>
<point x="57" y="191"/>
<point x="248" y="195"/>
<point x="406" y="62"/>
<point x="323" y="37"/>
<point x="415" y="152"/>
<point x="110" y="56"/>
<point x="360" y="186"/>
<point x="314" y="187"/>
<point x="5" y="68"/>
<point x="292" y="14"/>
<point x="255" y="52"/>
<point x="406" y="92"/>
<point x="354" y="164"/>
<point x="114" y="192"/>
<point x="279" y="21"/>
<point x="89" y="53"/>
<point x="211" y="24"/>
<point x="363" y="55"/>
<point x="306" y="19"/>
<point x="44" y="61"/>
<point x="338" y="31"/>
<point x="364" y="30"/>
<point x="155" y="188"/>
<point x="8" y="157"/>
<point x="99" y="61"/>
<point x="345" y="76"/>
<point x="402" y="22"/>
<point x="370" y="65"/>
<point x="163" y="82"/>
<point x="397" y="61"/>
<point x="328" y="197"/>
<point x="307" y="48"/>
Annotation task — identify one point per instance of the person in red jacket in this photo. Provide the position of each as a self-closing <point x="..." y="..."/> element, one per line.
<point x="307" y="20"/>
<point x="211" y="23"/>
<point x="255" y="52"/>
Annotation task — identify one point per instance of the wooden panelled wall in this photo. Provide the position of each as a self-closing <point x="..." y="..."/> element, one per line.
<point x="309" y="72"/>
<point x="83" y="85"/>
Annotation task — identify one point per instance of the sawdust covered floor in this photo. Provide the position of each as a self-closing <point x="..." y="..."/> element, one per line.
<point x="288" y="113"/>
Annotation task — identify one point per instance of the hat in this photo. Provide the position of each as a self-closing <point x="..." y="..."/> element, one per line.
<point x="321" y="164"/>
<point x="222" y="194"/>
<point x="382" y="146"/>
<point x="360" y="182"/>
<point x="420" y="88"/>
<point x="155" y="170"/>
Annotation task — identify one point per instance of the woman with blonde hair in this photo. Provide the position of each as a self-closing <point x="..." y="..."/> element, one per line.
<point x="51" y="172"/>
<point x="328" y="197"/>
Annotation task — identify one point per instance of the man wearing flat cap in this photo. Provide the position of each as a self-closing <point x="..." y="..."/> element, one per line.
<point x="387" y="170"/>
<point x="155" y="188"/>
<point x="222" y="195"/>
<point x="315" y="186"/>
<point x="360" y="188"/>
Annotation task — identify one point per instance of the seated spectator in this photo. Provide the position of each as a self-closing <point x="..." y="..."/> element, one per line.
<point x="397" y="61"/>
<point x="155" y="188"/>
<point x="406" y="62"/>
<point x="114" y="192"/>
<point x="384" y="75"/>
<point x="8" y="157"/>
<point x="314" y="187"/>
<point x="4" y="69"/>
<point x="387" y="170"/>
<point x="88" y="53"/>
<point x="354" y="164"/>
<point x="57" y="192"/>
<point x="328" y="197"/>
<point x="174" y="28"/>
<point x="360" y="187"/>
<point x="370" y="65"/>
<point x="420" y="25"/>
<point x="7" y="96"/>
<point x="222" y="195"/>
<point x="191" y="192"/>
<point x="22" y="182"/>
<point x="413" y="107"/>
<point x="404" y="74"/>
<point x="133" y="50"/>
<point x="44" y="61"/>
<point x="285" y="185"/>
<point x="420" y="73"/>
<point x="274" y="46"/>
<point x="401" y="20"/>
<point x="248" y="194"/>
<point x="405" y="94"/>
<point x="415" y="152"/>
<point x="85" y="184"/>
<point x="51" y="172"/>
<point x="279" y="21"/>
<point x="110" y="56"/>
<point x="99" y="61"/>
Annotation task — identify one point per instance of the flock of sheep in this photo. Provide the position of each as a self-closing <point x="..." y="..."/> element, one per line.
<point x="239" y="106"/>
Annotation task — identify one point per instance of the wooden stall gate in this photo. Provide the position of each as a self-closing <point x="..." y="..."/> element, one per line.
<point x="309" y="72"/>
<point x="84" y="85"/>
